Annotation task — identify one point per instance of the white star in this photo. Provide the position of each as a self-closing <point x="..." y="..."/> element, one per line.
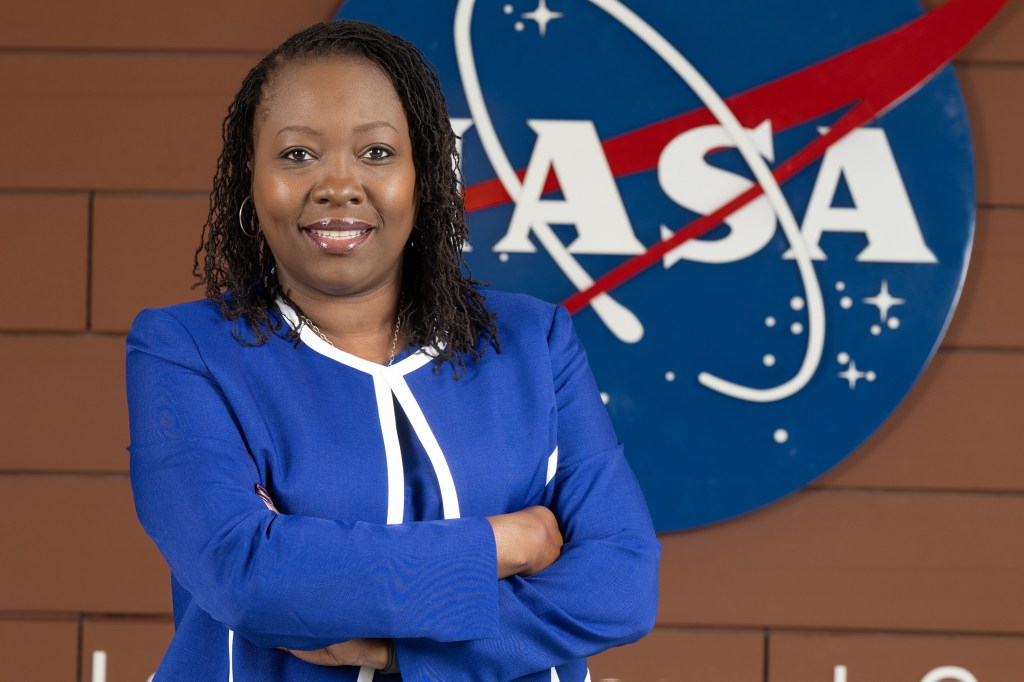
<point x="542" y="15"/>
<point x="883" y="300"/>
<point x="852" y="375"/>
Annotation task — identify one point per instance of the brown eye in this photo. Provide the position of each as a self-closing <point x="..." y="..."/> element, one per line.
<point x="379" y="153"/>
<point x="297" y="155"/>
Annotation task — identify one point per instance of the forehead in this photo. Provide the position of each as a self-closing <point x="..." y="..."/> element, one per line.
<point x="340" y="90"/>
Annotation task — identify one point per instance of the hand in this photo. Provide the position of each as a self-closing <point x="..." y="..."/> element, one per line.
<point x="359" y="652"/>
<point x="528" y="541"/>
<point x="262" y="493"/>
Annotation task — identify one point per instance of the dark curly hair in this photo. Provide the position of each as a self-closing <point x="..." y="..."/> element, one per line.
<point x="442" y="305"/>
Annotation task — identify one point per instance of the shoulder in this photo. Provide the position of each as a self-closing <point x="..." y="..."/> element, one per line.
<point x="188" y="328"/>
<point x="521" y="312"/>
<point x="526" y="321"/>
<point x="191" y="318"/>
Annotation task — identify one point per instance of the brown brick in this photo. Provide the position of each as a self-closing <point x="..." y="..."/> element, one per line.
<point x="43" y="260"/>
<point x="75" y="545"/>
<point x="115" y="121"/>
<point x="893" y="657"/>
<point x="995" y="107"/>
<point x="64" y="407"/>
<point x="865" y="560"/>
<point x="142" y="255"/>
<point x="218" y="25"/>
<point x="38" y="650"/>
<point x="682" y="655"/>
<point x="987" y="313"/>
<point x="959" y="429"/>
<point x="124" y="649"/>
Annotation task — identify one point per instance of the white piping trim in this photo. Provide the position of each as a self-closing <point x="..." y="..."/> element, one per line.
<point x="555" y="678"/>
<point x="231" y="656"/>
<point x="310" y="338"/>
<point x="552" y="465"/>
<point x="365" y="674"/>
<point x="449" y="498"/>
<point x="392" y="449"/>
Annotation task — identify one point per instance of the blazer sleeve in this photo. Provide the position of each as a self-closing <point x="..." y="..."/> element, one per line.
<point x="282" y="580"/>
<point x="603" y="590"/>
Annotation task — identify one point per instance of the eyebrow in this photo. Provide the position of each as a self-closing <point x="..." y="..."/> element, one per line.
<point x="371" y="125"/>
<point x="361" y="128"/>
<point x="300" y="129"/>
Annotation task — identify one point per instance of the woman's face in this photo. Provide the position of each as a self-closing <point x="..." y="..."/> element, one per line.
<point x="333" y="180"/>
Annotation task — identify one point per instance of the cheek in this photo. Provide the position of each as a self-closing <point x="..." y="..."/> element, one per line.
<point x="276" y="199"/>
<point x="403" y="195"/>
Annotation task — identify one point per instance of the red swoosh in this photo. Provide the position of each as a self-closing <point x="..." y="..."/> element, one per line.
<point x="876" y="76"/>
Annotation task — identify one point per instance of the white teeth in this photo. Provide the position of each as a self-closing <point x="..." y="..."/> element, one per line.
<point x="339" y="234"/>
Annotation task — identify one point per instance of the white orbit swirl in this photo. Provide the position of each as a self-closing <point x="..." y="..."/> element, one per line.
<point x="717" y="106"/>
<point x="619" y="319"/>
<point x="764" y="177"/>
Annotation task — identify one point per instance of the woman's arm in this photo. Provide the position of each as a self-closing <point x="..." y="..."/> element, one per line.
<point x="603" y="589"/>
<point x="283" y="580"/>
<point x="527" y="541"/>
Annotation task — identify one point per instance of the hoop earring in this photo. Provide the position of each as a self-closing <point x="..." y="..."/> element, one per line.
<point x="241" y="225"/>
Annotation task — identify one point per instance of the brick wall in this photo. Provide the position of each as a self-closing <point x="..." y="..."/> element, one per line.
<point x="906" y="558"/>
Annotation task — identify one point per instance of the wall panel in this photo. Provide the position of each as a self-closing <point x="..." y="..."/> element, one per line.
<point x="864" y="560"/>
<point x="68" y="407"/>
<point x="216" y="25"/>
<point x="78" y="549"/>
<point x="142" y="255"/>
<point x="115" y="122"/>
<point x="44" y="242"/>
<point x="35" y="650"/>
<point x="800" y="657"/>
<point x="995" y="107"/>
<point x="123" y="649"/>
<point x="671" y="654"/>
<point x="985" y="316"/>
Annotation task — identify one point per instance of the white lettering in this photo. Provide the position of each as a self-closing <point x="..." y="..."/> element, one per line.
<point x="882" y="210"/>
<point x="572" y="149"/>
<point x="949" y="673"/>
<point x="690" y="181"/>
<point x="99" y="666"/>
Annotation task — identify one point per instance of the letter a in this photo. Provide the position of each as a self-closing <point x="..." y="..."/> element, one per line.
<point x="882" y="210"/>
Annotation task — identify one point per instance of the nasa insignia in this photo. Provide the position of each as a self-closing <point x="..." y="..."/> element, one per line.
<point x="760" y="214"/>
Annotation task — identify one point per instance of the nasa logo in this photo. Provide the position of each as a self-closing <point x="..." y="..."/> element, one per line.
<point x="759" y="213"/>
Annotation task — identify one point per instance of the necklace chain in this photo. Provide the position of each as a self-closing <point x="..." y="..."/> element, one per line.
<point x="394" y="337"/>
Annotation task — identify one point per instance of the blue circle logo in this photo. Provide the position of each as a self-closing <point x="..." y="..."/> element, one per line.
<point x="760" y="214"/>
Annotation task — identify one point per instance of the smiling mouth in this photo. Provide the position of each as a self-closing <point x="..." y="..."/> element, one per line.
<point x="340" y="234"/>
<point x="335" y="241"/>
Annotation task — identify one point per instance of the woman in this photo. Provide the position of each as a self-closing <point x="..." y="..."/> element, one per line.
<point x="351" y="456"/>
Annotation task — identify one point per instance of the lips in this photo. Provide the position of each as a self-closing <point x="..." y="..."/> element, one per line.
<point x="338" y="236"/>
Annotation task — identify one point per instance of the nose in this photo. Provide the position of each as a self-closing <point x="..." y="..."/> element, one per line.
<point x="339" y="183"/>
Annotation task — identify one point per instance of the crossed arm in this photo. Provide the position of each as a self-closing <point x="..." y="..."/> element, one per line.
<point x="526" y="541"/>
